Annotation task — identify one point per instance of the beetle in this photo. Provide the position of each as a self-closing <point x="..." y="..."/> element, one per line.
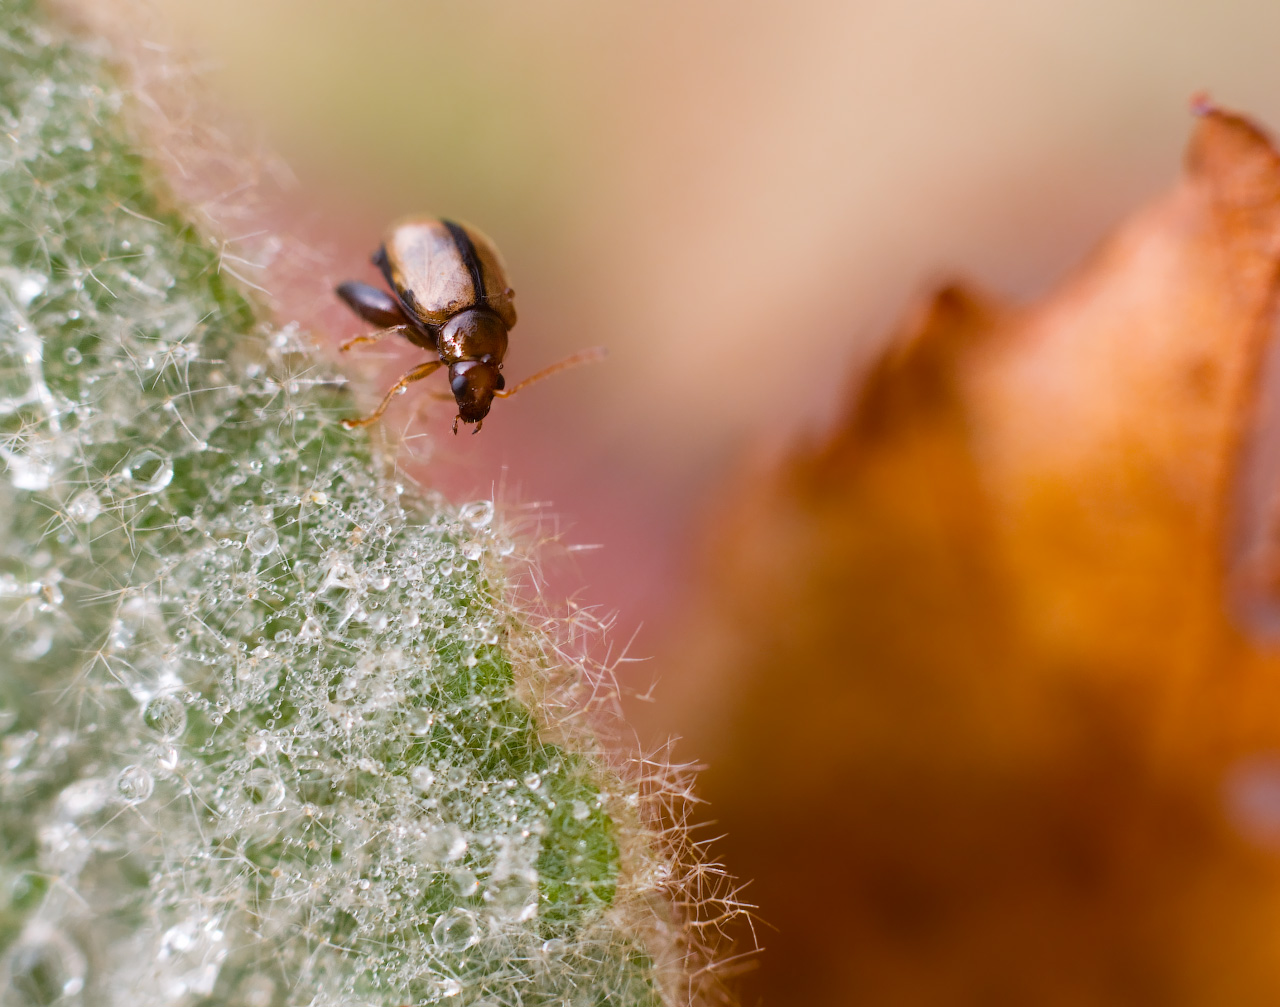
<point x="449" y="296"/>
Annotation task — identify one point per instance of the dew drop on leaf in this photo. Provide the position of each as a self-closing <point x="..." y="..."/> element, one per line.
<point x="44" y="968"/>
<point x="464" y="882"/>
<point x="166" y="714"/>
<point x="263" y="788"/>
<point x="84" y="506"/>
<point x="455" y="930"/>
<point x="478" y="514"/>
<point x="134" y="784"/>
<point x="149" y="471"/>
<point x="262" y="541"/>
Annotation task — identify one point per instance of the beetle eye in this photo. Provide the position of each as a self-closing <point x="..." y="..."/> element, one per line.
<point x="502" y="383"/>
<point x="459" y="383"/>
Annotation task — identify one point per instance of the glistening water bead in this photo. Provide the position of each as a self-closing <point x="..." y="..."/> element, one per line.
<point x="84" y="507"/>
<point x="149" y="471"/>
<point x="166" y="714"/>
<point x="263" y="788"/>
<point x="477" y="514"/>
<point x="262" y="541"/>
<point x="464" y="882"/>
<point x="44" y="968"/>
<point x="134" y="784"/>
<point x="455" y="930"/>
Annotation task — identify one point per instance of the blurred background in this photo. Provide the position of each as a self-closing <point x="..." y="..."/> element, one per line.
<point x="737" y="198"/>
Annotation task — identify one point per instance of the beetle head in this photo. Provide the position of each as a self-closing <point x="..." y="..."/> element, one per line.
<point x="473" y="383"/>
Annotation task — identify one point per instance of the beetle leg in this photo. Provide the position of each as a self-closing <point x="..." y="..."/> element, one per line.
<point x="417" y="374"/>
<point x="591" y="356"/>
<point x="371" y="304"/>
<point x="371" y="337"/>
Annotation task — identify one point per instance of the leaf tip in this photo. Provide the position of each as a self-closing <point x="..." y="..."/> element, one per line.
<point x="1234" y="153"/>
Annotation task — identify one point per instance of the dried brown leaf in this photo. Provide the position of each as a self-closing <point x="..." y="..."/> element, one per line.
<point x="997" y="731"/>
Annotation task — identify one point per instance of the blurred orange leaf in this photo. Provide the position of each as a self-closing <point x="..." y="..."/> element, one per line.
<point x="998" y="732"/>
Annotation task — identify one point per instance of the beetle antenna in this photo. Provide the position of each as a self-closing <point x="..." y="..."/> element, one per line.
<point x="591" y="356"/>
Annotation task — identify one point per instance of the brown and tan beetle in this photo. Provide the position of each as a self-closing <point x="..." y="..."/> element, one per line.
<point x="450" y="296"/>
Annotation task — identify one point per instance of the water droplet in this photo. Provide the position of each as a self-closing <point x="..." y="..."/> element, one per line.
<point x="82" y="798"/>
<point x="456" y="930"/>
<point x="256" y="991"/>
<point x="17" y="747"/>
<point x="194" y="951"/>
<point x="455" y="776"/>
<point x="255" y="745"/>
<point x="167" y="759"/>
<point x="134" y="784"/>
<point x="478" y="514"/>
<point x="263" y="788"/>
<point x="72" y="356"/>
<point x="64" y="849"/>
<point x="28" y="473"/>
<point x="448" y="987"/>
<point x="29" y="287"/>
<point x="262" y="541"/>
<point x="445" y="844"/>
<point x="464" y="882"/>
<point x="554" y="947"/>
<point x="420" y="722"/>
<point x="166" y="714"/>
<point x="516" y="895"/>
<point x="422" y="778"/>
<point x="177" y="939"/>
<point x="471" y="550"/>
<point x="44" y="968"/>
<point x="580" y="810"/>
<point x="29" y="639"/>
<point x="533" y="781"/>
<point x="149" y="471"/>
